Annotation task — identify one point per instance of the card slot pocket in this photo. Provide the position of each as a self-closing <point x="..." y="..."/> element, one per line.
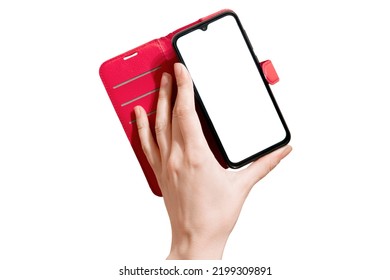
<point x="139" y="97"/>
<point x="148" y="101"/>
<point x="137" y="87"/>
<point x="137" y="77"/>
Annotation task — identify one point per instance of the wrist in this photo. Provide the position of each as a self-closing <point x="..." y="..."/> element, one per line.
<point x="197" y="247"/>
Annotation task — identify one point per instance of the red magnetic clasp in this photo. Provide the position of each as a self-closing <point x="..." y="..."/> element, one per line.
<point x="269" y="72"/>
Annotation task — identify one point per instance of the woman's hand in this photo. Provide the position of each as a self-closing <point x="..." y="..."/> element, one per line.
<point x="203" y="199"/>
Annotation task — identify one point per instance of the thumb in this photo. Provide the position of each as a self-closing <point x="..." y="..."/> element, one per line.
<point x="261" y="167"/>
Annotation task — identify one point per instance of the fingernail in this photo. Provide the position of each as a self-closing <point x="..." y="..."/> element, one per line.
<point x="178" y="68"/>
<point x="286" y="151"/>
<point x="164" y="79"/>
<point x="136" y="111"/>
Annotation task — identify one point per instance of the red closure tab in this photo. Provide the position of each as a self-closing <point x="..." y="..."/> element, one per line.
<point x="269" y="72"/>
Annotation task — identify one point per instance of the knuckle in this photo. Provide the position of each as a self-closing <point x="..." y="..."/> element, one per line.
<point x="160" y="126"/>
<point x="173" y="166"/>
<point x="141" y="125"/>
<point x="181" y="112"/>
<point x="162" y="96"/>
<point x="194" y="161"/>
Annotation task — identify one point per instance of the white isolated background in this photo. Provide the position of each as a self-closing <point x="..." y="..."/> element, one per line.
<point x="73" y="201"/>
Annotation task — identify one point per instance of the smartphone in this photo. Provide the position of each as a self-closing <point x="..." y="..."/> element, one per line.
<point x="231" y="90"/>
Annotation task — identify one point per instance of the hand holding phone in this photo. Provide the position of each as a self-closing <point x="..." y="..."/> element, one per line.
<point x="203" y="199"/>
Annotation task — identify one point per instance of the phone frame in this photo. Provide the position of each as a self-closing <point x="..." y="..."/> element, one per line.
<point x="203" y="26"/>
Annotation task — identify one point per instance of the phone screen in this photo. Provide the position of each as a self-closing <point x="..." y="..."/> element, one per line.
<point x="239" y="105"/>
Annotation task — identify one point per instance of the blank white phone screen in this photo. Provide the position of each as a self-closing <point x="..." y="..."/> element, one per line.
<point x="231" y="88"/>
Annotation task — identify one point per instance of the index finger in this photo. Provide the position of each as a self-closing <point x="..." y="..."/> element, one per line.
<point x="184" y="110"/>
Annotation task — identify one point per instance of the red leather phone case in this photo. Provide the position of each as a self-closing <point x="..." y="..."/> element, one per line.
<point x="133" y="78"/>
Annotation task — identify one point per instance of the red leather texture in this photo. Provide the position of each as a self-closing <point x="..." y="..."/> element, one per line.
<point x="133" y="78"/>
